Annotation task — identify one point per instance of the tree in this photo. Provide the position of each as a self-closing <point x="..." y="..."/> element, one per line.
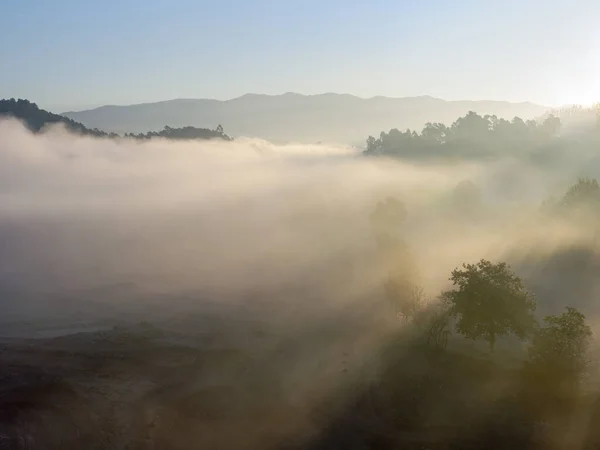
<point x="519" y="128"/>
<point x="557" y="365"/>
<point x="435" y="132"/>
<point x="490" y="301"/>
<point x="559" y="353"/>
<point x="583" y="194"/>
<point x="471" y="127"/>
<point x="551" y="125"/>
<point x="434" y="320"/>
<point x="371" y="145"/>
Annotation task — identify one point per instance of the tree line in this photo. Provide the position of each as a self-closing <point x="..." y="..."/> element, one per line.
<point x="469" y="136"/>
<point x="184" y="133"/>
<point x="36" y="119"/>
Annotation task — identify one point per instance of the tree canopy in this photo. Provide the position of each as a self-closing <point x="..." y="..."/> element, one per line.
<point x="585" y="193"/>
<point x="490" y="301"/>
<point x="560" y="347"/>
<point x="184" y="133"/>
<point x="469" y="136"/>
<point x="577" y="117"/>
<point x="558" y="364"/>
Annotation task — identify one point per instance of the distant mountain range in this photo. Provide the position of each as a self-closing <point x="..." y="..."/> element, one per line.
<point x="295" y="117"/>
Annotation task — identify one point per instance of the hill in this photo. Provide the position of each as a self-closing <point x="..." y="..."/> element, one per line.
<point x="36" y="119"/>
<point x="294" y="117"/>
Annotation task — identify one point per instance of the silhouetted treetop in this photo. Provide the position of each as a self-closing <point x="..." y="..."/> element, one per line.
<point x="577" y="116"/>
<point x="471" y="135"/>
<point x="185" y="133"/>
<point x="490" y="301"/>
<point x="562" y="344"/>
<point x="584" y="193"/>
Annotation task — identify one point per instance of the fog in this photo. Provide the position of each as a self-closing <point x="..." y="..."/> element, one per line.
<point x="228" y="219"/>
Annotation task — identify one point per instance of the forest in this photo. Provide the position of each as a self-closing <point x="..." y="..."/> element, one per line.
<point x="471" y="136"/>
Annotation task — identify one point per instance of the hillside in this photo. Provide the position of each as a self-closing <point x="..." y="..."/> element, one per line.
<point x="294" y="117"/>
<point x="36" y="119"/>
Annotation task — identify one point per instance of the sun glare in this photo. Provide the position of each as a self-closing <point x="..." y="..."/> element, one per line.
<point x="586" y="94"/>
<point x="580" y="85"/>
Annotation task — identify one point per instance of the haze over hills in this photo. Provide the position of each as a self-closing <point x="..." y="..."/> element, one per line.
<point x="36" y="120"/>
<point x="294" y="117"/>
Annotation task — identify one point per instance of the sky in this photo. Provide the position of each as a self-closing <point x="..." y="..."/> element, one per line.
<point x="74" y="54"/>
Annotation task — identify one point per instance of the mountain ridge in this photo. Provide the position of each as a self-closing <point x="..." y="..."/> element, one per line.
<point x="293" y="117"/>
<point x="324" y="94"/>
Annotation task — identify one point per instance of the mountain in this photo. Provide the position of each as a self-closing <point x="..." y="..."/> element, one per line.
<point x="295" y="117"/>
<point x="36" y="119"/>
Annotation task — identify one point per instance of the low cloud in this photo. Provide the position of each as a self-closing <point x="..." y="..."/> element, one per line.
<point x="241" y="219"/>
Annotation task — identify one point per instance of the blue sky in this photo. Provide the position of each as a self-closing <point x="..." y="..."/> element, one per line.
<point x="70" y="54"/>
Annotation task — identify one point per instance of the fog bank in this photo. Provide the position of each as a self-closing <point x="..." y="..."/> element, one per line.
<point x="231" y="221"/>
